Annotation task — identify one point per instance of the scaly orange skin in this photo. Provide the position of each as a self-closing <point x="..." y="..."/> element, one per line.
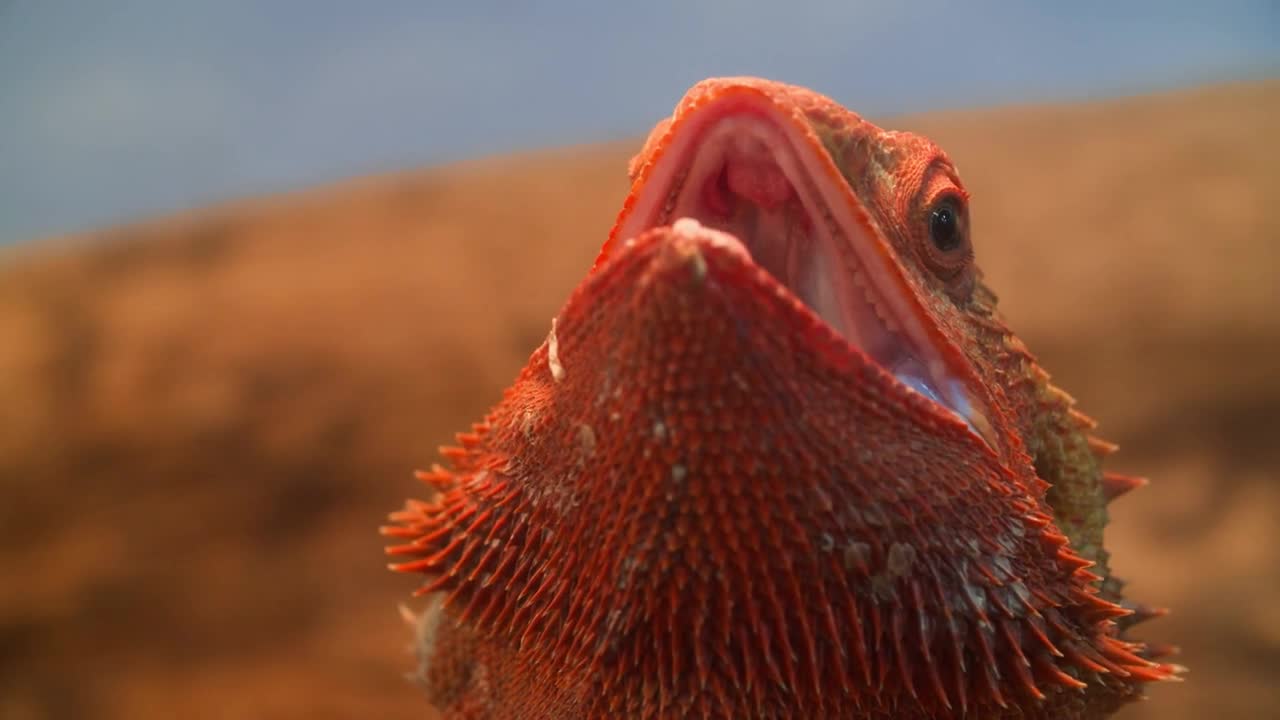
<point x="697" y="500"/>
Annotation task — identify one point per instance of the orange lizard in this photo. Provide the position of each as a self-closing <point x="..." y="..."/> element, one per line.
<point x="778" y="458"/>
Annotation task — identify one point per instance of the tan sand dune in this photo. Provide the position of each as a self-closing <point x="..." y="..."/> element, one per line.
<point x="203" y="419"/>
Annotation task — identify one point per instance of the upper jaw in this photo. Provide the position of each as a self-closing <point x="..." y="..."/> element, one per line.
<point x="747" y="168"/>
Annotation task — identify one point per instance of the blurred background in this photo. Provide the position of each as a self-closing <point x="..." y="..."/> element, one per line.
<point x="258" y="260"/>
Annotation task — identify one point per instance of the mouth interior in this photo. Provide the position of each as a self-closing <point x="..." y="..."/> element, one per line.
<point x="743" y="178"/>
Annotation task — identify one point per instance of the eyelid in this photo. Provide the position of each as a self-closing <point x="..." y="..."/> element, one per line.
<point x="959" y="199"/>
<point x="939" y="179"/>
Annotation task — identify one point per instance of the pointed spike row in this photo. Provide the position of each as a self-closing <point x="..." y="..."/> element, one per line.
<point x="486" y="616"/>
<point x="1101" y="448"/>
<point x="437" y="477"/>
<point x="397" y="531"/>
<point x="1056" y="392"/>
<point x="998" y="603"/>
<point x="1010" y="633"/>
<point x="495" y="491"/>
<point x="493" y="611"/>
<point x="1037" y="519"/>
<point x="1142" y="613"/>
<point x="877" y="638"/>
<point x="426" y="564"/>
<point x="438" y="583"/>
<point x="502" y="615"/>
<point x="935" y="679"/>
<point x="482" y="564"/>
<point x="1047" y="601"/>
<point x="900" y="651"/>
<point x="1040" y="486"/>
<point x="984" y="569"/>
<point x="1139" y="668"/>
<point x="780" y="625"/>
<point x="479" y="518"/>
<point x="1114" y="484"/>
<point x="411" y="517"/>
<point x="525" y="608"/>
<point x="580" y="635"/>
<point x="1087" y="575"/>
<point x="415" y="508"/>
<point x="674" y="631"/>
<point x="725" y="659"/>
<point x="1049" y="669"/>
<point x="1028" y="683"/>
<point x="1016" y="345"/>
<point x="1156" y="651"/>
<point x="860" y="643"/>
<point x="1074" y="562"/>
<point x="807" y="637"/>
<point x="832" y="630"/>
<point x="1109" y="647"/>
<point x="1036" y="624"/>
<point x="1099" y="609"/>
<point x="546" y="619"/>
<point x="566" y="637"/>
<point x="453" y="453"/>
<point x="1082" y="421"/>
<point x="991" y="674"/>
<point x="464" y="560"/>
<point x="1065" y="634"/>
<point x="961" y="683"/>
<point x="1157" y="673"/>
<point x="461" y="514"/>
<point x="922" y="634"/>
<point x="984" y="634"/>
<point x="431" y="535"/>
<point x="437" y="560"/>
<point x="471" y="609"/>
<point x="405" y="549"/>
<point x="701" y="662"/>
<point x="1124" y="652"/>
<point x="1056" y="537"/>
<point x="1020" y="664"/>
<point x="404" y="567"/>
<point x="749" y="668"/>
<point x="407" y="615"/>
<point x="1078" y="655"/>
<point x="957" y="650"/>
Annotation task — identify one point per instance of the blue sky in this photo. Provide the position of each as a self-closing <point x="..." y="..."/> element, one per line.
<point x="112" y="110"/>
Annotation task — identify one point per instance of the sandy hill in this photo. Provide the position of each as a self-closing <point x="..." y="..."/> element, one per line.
<point x="204" y="418"/>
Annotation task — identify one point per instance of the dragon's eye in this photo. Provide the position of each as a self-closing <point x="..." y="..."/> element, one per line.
<point x="944" y="241"/>
<point x="944" y="225"/>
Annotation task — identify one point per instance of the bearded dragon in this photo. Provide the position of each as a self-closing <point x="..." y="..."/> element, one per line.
<point x="779" y="457"/>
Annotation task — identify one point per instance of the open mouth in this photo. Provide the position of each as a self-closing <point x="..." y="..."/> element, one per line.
<point x="740" y="173"/>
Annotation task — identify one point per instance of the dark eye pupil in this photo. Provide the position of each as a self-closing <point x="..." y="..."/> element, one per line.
<point x="944" y="227"/>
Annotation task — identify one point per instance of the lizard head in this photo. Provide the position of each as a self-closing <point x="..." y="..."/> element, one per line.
<point x="778" y="457"/>
<point x="869" y="228"/>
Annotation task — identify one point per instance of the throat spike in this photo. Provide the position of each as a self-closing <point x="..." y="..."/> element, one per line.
<point x="1114" y="484"/>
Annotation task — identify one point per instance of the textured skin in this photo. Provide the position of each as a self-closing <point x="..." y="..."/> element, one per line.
<point x="697" y="500"/>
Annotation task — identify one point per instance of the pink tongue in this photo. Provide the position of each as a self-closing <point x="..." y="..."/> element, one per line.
<point x="758" y="179"/>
